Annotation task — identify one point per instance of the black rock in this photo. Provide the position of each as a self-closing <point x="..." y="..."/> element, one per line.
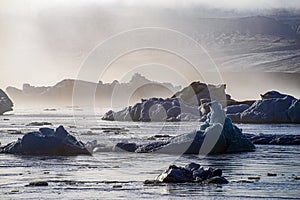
<point x="192" y="173"/>
<point x="192" y="166"/>
<point x="176" y="175"/>
<point x="217" y="172"/>
<point x="130" y="147"/>
<point x="205" y="174"/>
<point x="217" y="180"/>
<point x="271" y="174"/>
<point x="39" y="124"/>
<point x="37" y="184"/>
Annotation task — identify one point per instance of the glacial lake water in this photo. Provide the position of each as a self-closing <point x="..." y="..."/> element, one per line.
<point x="120" y="175"/>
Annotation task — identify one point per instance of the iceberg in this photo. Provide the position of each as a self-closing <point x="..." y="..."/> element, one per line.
<point x="46" y="141"/>
<point x="294" y="111"/>
<point x="5" y="103"/>
<point x="274" y="107"/>
<point x="189" y="104"/>
<point x="273" y="110"/>
<point x="273" y="95"/>
<point x="217" y="135"/>
<point x="155" y="109"/>
<point x="236" y="108"/>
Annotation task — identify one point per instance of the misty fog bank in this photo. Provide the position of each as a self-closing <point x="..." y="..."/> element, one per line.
<point x="55" y="37"/>
<point x="240" y="85"/>
<point x="248" y="85"/>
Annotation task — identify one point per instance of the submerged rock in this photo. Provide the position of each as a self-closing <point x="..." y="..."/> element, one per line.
<point x="39" y="124"/>
<point x="46" y="141"/>
<point x="191" y="173"/>
<point x="37" y="184"/>
<point x="5" y="103"/>
<point x="271" y="174"/>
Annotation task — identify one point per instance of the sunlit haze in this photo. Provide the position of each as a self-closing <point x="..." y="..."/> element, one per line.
<point x="44" y="42"/>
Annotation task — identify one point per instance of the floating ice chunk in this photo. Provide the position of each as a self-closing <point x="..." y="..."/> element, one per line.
<point x="46" y="141"/>
<point x="5" y="103"/>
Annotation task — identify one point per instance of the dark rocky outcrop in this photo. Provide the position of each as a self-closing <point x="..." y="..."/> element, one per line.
<point x="46" y="141"/>
<point x="5" y="103"/>
<point x="191" y="173"/>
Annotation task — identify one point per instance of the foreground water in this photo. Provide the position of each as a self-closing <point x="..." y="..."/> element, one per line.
<point x="111" y="175"/>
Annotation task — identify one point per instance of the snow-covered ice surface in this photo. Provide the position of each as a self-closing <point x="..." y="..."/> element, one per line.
<point x="120" y="175"/>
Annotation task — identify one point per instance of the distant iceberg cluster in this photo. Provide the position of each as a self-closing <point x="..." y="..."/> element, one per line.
<point x="193" y="104"/>
<point x="155" y="109"/>
<point x="182" y="106"/>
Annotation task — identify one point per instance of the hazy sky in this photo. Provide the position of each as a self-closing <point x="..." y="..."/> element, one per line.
<point x="43" y="42"/>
